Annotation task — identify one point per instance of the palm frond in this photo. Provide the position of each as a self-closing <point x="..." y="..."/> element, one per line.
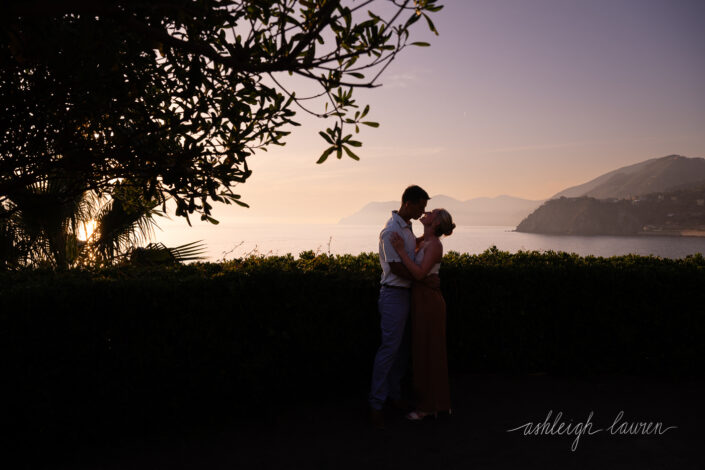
<point x="156" y="254"/>
<point x="48" y="215"/>
<point x="119" y="228"/>
<point x="193" y="251"/>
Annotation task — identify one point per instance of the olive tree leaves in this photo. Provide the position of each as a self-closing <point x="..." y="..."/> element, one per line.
<point x="367" y="46"/>
<point x="176" y="95"/>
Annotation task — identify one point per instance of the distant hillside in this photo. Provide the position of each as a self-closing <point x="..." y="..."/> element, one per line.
<point x="500" y="210"/>
<point x="656" y="175"/>
<point x="582" y="216"/>
<point x="669" y="213"/>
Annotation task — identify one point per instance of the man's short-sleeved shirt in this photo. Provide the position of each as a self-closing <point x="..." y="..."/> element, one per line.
<point x="387" y="253"/>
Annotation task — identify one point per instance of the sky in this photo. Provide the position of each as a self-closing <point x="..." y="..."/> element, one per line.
<point x="514" y="97"/>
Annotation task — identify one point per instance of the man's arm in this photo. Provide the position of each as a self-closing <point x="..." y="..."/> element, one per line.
<point x="400" y="270"/>
<point x="390" y="255"/>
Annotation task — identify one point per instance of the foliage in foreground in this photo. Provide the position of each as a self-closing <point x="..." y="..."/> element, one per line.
<point x="129" y="348"/>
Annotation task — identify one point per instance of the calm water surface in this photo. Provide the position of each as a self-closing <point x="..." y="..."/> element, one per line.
<point x="235" y="241"/>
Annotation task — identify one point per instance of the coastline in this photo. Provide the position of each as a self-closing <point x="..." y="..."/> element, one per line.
<point x="673" y="233"/>
<point x="691" y="233"/>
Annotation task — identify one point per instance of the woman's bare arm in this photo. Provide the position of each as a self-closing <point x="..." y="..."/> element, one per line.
<point x="432" y="255"/>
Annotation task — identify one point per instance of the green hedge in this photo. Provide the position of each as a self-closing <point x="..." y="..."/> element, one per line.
<point x="132" y="348"/>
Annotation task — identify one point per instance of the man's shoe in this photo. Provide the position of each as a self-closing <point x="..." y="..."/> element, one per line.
<point x="377" y="418"/>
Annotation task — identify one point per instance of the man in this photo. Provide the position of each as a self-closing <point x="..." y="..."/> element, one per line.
<point x="394" y="303"/>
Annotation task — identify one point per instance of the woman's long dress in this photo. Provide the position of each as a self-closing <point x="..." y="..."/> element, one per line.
<point x="429" y="356"/>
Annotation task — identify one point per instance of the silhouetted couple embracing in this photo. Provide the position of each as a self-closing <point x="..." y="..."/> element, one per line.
<point x="411" y="290"/>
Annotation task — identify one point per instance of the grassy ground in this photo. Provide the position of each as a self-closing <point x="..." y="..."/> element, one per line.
<point x="333" y="432"/>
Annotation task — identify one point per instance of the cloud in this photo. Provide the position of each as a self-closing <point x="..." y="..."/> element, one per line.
<point x="402" y="151"/>
<point x="399" y="80"/>
<point x="537" y="147"/>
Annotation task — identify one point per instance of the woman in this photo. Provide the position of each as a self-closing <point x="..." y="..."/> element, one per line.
<point x="428" y="316"/>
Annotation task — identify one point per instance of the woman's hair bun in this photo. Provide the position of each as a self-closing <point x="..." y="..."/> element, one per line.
<point x="446" y="225"/>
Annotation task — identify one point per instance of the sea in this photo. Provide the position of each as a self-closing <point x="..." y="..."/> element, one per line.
<point x="223" y="242"/>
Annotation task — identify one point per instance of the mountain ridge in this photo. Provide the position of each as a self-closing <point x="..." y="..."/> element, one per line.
<point x="661" y="174"/>
<point x="500" y="210"/>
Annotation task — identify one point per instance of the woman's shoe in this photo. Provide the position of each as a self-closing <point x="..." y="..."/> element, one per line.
<point x="419" y="415"/>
